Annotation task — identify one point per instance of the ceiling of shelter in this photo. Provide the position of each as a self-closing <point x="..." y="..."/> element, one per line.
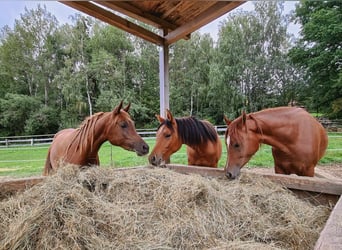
<point x="173" y="19"/>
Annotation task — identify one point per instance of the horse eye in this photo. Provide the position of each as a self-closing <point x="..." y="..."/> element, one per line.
<point x="124" y="125"/>
<point x="236" y="145"/>
<point x="167" y="135"/>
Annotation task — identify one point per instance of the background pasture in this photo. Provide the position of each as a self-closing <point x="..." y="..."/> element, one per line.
<point x="29" y="160"/>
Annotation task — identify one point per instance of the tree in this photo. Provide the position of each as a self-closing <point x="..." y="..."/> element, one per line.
<point x="252" y="60"/>
<point x="189" y="75"/>
<point x="42" y="121"/>
<point x="319" y="52"/>
<point x="28" y="53"/>
<point x="15" y="109"/>
<point x="142" y="77"/>
<point x="109" y="48"/>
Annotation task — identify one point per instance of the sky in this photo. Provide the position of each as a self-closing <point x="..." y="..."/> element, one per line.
<point x="11" y="10"/>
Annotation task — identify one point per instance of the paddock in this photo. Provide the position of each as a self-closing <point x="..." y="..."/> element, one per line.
<point x="322" y="190"/>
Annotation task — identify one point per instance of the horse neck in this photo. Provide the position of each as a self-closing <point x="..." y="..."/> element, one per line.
<point x="90" y="136"/>
<point x="101" y="129"/>
<point x="189" y="132"/>
<point x="267" y="127"/>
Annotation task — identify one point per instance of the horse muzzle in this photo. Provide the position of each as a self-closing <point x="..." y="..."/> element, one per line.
<point x="233" y="173"/>
<point x="141" y="149"/>
<point x="156" y="160"/>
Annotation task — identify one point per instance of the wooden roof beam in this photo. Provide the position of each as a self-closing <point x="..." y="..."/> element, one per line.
<point x="129" y="10"/>
<point x="115" y="20"/>
<point x="215" y="11"/>
<point x="134" y="12"/>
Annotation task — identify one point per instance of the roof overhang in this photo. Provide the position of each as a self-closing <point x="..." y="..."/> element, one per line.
<point x="160" y="22"/>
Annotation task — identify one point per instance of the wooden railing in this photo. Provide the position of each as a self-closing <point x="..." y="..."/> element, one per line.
<point x="41" y="140"/>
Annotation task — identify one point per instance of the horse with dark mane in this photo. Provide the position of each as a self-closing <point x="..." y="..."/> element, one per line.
<point x="80" y="146"/>
<point x="203" y="144"/>
<point x="298" y="140"/>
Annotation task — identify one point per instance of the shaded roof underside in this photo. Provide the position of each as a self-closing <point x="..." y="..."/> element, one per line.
<point x="170" y="20"/>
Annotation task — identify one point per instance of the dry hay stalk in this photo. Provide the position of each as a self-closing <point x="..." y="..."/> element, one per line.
<point x="157" y="209"/>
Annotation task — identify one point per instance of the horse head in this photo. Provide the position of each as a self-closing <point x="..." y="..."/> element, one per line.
<point x="167" y="140"/>
<point x="241" y="143"/>
<point x="121" y="131"/>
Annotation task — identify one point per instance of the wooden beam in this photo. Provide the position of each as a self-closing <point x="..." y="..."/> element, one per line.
<point x="312" y="184"/>
<point x="215" y="11"/>
<point x="331" y="235"/>
<point x="115" y="20"/>
<point x="10" y="187"/>
<point x="164" y="87"/>
<point x="203" y="171"/>
<point x="129" y="10"/>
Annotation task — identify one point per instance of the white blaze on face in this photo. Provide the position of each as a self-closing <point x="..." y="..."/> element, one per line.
<point x="228" y="142"/>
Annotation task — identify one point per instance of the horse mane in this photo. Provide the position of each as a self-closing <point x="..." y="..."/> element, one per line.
<point x="235" y="126"/>
<point x="193" y="131"/>
<point x="85" y="132"/>
<point x="252" y="117"/>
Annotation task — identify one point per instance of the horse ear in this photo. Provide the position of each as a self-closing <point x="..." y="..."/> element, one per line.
<point x="244" y="117"/>
<point x="117" y="108"/>
<point x="127" y="107"/>
<point x="160" y="119"/>
<point x="227" y="121"/>
<point x="169" y="116"/>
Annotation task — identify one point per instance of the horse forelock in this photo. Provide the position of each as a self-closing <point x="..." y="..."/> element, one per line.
<point x="194" y="132"/>
<point x="235" y="130"/>
<point x="167" y="123"/>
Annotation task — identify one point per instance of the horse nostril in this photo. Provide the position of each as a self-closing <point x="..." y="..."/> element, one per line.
<point x="229" y="175"/>
<point x="153" y="160"/>
<point x="146" y="148"/>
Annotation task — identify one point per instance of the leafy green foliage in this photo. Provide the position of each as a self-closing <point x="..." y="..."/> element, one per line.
<point x="56" y="75"/>
<point x="15" y="110"/>
<point x="252" y="61"/>
<point x="44" y="120"/>
<point x="319" y="51"/>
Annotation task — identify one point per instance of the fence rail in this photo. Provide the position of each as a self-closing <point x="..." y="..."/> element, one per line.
<point x="43" y="140"/>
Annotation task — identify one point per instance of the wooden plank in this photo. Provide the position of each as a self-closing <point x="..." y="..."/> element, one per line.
<point x="331" y="236"/>
<point x="312" y="184"/>
<point x="212" y="13"/>
<point x="115" y="20"/>
<point x="10" y="187"/>
<point x="128" y="9"/>
<point x="203" y="171"/>
<point x="323" y="174"/>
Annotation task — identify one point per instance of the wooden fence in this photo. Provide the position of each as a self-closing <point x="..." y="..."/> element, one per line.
<point x="41" y="140"/>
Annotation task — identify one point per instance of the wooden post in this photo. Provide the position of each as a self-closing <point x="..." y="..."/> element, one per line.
<point x="164" y="88"/>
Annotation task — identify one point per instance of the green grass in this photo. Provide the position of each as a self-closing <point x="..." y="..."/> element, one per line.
<point x="29" y="161"/>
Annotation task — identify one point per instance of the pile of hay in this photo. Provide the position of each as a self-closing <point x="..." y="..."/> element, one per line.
<point x="157" y="209"/>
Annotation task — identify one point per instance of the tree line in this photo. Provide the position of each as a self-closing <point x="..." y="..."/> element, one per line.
<point x="52" y="76"/>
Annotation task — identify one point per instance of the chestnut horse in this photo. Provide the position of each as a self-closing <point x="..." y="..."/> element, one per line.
<point x="203" y="144"/>
<point x="298" y="140"/>
<point x="80" y="146"/>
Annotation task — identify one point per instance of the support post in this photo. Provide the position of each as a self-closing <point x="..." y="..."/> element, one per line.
<point x="164" y="88"/>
